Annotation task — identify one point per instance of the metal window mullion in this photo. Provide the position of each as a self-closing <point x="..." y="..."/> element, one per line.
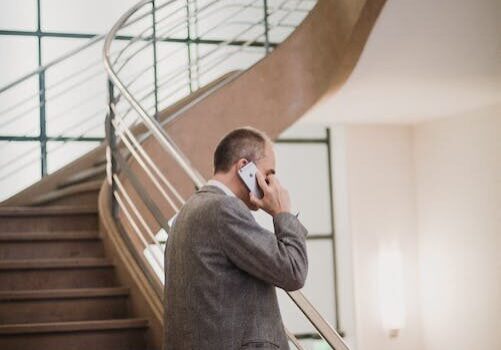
<point x="197" y="48"/>
<point x="188" y="32"/>
<point x="332" y="223"/>
<point x="155" y="72"/>
<point x="13" y="138"/>
<point x="266" y="27"/>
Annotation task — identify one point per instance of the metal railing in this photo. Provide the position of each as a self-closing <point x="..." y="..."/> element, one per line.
<point x="63" y="101"/>
<point x="138" y="91"/>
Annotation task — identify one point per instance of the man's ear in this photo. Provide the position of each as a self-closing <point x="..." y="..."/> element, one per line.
<point x="241" y="163"/>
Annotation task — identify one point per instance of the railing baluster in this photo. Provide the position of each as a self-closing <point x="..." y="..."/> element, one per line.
<point x="111" y="167"/>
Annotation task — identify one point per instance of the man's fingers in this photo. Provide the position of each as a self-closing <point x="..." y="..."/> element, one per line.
<point x="256" y="201"/>
<point x="261" y="181"/>
<point x="274" y="181"/>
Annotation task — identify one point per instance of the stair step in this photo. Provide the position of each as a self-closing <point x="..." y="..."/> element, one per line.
<point x="44" y="245"/>
<point x="94" y="173"/>
<point x="49" y="236"/>
<point x="55" y="218"/>
<point x="122" y="334"/>
<point x="70" y="191"/>
<point x="77" y="304"/>
<point x="100" y="161"/>
<point x="20" y="274"/>
<point x="37" y="264"/>
<point x="46" y="211"/>
<point x="63" y="293"/>
<point x="61" y="327"/>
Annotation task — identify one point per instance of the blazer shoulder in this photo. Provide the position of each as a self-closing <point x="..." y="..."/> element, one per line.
<point x="232" y="203"/>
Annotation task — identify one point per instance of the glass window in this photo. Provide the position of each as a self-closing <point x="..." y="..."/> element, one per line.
<point x="61" y="153"/>
<point x="297" y="323"/>
<point x="19" y="109"/>
<point x="171" y="21"/>
<point x="19" y="105"/>
<point x="22" y="57"/>
<point x="319" y="287"/>
<point x="301" y="166"/>
<point x="173" y="76"/>
<point x="77" y="16"/>
<point x="230" y="20"/>
<point x="302" y="131"/>
<point x="136" y="71"/>
<point x="19" y="166"/>
<point x="216" y="61"/>
<point x="18" y="15"/>
<point x="319" y="290"/>
<point x="76" y="89"/>
<point x="284" y="16"/>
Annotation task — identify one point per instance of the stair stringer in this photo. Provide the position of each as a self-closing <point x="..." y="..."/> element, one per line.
<point x="144" y="298"/>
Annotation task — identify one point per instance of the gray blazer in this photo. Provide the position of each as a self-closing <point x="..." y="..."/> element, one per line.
<point x="221" y="269"/>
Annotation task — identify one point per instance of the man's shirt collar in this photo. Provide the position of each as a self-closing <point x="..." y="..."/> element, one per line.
<point x="222" y="186"/>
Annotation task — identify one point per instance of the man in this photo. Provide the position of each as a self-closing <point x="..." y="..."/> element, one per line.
<point x="222" y="266"/>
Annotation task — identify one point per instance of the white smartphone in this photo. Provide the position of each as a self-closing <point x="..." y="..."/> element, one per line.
<point x="248" y="175"/>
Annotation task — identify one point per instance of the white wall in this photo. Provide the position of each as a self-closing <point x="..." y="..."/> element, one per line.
<point x="435" y="189"/>
<point x="458" y="166"/>
<point x="381" y="209"/>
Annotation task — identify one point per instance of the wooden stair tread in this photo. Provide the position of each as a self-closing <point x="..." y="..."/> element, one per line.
<point x="48" y="236"/>
<point x="73" y="326"/>
<point x="67" y="191"/>
<point x="83" y="175"/>
<point x="69" y="293"/>
<point x="65" y="263"/>
<point x="52" y="210"/>
<point x="100" y="161"/>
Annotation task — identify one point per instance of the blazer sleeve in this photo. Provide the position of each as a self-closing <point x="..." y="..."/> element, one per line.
<point x="277" y="258"/>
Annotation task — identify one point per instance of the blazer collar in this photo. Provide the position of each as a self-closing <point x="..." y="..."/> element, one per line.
<point x="211" y="189"/>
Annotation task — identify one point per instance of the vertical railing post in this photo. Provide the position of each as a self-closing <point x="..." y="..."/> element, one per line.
<point x="41" y="96"/>
<point x="266" y="27"/>
<point x="111" y="164"/>
<point x="155" y="72"/>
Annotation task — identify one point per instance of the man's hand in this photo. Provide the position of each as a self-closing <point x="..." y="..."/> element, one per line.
<point x="276" y="198"/>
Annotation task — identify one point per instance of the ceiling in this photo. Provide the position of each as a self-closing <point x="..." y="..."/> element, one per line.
<point x="424" y="59"/>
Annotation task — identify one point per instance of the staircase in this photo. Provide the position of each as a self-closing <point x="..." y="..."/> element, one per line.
<point x="58" y="289"/>
<point x="73" y="270"/>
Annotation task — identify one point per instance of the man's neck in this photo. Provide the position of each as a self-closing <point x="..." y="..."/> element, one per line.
<point x="228" y="182"/>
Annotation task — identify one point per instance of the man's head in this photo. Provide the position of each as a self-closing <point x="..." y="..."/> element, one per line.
<point x="235" y="150"/>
